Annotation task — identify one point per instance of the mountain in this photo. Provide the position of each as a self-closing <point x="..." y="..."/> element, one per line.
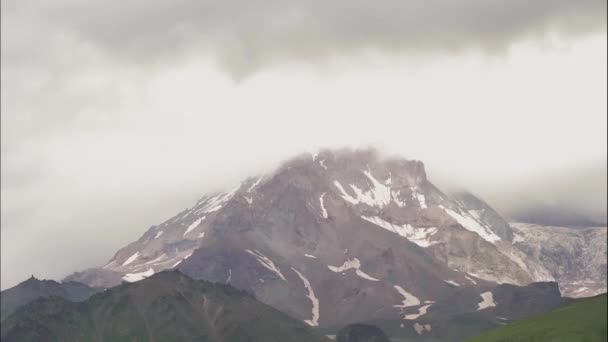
<point x="583" y="320"/>
<point x="165" y="307"/>
<point x="32" y="289"/>
<point x="576" y="257"/>
<point x="361" y="333"/>
<point x="334" y="238"/>
<point x="456" y="319"/>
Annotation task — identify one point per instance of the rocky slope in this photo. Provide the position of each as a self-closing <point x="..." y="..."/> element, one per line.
<point x="576" y="257"/>
<point x="32" y="289"/>
<point x="334" y="238"/>
<point x="165" y="307"/>
<point x="466" y="313"/>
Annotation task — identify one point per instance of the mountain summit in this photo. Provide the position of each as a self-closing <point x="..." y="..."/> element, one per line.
<point x="336" y="237"/>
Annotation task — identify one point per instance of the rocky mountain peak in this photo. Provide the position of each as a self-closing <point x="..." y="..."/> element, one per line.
<point x="332" y="237"/>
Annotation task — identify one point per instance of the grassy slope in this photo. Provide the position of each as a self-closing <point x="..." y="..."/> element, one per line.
<point x="582" y="321"/>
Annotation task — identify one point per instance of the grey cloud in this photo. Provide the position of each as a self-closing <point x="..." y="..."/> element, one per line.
<point x="74" y="81"/>
<point x="246" y="35"/>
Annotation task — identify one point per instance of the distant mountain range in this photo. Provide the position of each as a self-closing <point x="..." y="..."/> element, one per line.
<point x="165" y="307"/>
<point x="32" y="289"/>
<point x="345" y="236"/>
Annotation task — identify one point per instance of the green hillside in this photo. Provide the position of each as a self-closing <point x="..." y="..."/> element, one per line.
<point x="584" y="320"/>
<point x="165" y="307"/>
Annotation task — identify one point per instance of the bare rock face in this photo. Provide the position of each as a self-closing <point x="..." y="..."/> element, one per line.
<point x="334" y="238"/>
<point x="576" y="257"/>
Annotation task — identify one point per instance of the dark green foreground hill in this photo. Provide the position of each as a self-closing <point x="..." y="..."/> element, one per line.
<point x="168" y="306"/>
<point x="584" y="320"/>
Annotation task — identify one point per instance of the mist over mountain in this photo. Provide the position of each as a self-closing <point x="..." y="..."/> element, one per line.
<point x="563" y="197"/>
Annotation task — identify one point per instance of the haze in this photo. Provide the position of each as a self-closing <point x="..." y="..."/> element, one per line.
<point x="115" y="118"/>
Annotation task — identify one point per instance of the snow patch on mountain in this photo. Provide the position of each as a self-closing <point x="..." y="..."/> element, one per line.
<point x="216" y="202"/>
<point x="419" y="197"/>
<point x="322" y="163"/>
<point x="255" y="183"/>
<point x="132" y="277"/>
<point x="161" y="257"/>
<point x="266" y="262"/>
<point x="471" y="280"/>
<point x="379" y="195"/>
<point x="421" y="328"/>
<point x="311" y="295"/>
<point x="323" y="210"/>
<point x="421" y="312"/>
<point x="397" y="198"/>
<point x="419" y="236"/>
<point x="409" y="299"/>
<point x="487" y="300"/>
<point x="473" y="225"/>
<point x="194" y="225"/>
<point x="352" y="264"/>
<point x="131" y="259"/>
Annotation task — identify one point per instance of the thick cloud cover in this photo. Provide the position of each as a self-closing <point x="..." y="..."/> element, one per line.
<point x="115" y="116"/>
<point x="246" y="35"/>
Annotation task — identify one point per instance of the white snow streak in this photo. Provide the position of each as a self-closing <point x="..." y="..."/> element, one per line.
<point x="315" y="301"/>
<point x="473" y="225"/>
<point x="323" y="210"/>
<point x="162" y="256"/>
<point x="194" y="225"/>
<point x="419" y="197"/>
<point x="396" y="194"/>
<point x="421" y="312"/>
<point x="158" y="235"/>
<point x="255" y="184"/>
<point x="109" y="264"/>
<point x="451" y="282"/>
<point x="131" y="277"/>
<point x="322" y="163"/>
<point x="216" y="202"/>
<point x="487" y="301"/>
<point x="352" y="264"/>
<point x="310" y="256"/>
<point x="201" y="235"/>
<point x="266" y="262"/>
<point x="182" y="259"/>
<point x="409" y="299"/>
<point x="419" y="236"/>
<point x="131" y="259"/>
<point x="471" y="280"/>
<point x="379" y="195"/>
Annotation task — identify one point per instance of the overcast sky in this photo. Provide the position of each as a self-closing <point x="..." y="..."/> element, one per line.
<point x="116" y="115"/>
